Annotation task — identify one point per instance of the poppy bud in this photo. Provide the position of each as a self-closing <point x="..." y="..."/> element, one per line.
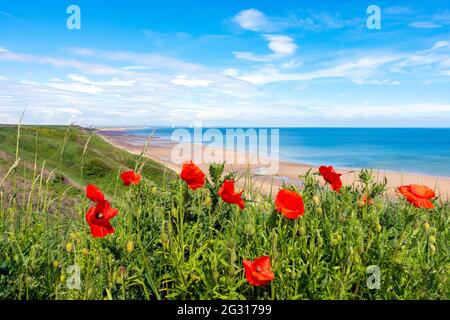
<point x="85" y="252"/>
<point x="215" y="275"/>
<point x="174" y="213"/>
<point x="164" y="237"/>
<point x="316" y="200"/>
<point x="250" y="229"/>
<point x="432" y="248"/>
<point x="302" y="231"/>
<point x="73" y="236"/>
<point x="98" y="261"/>
<point x="231" y="270"/>
<point x="56" y="264"/>
<point x="208" y="201"/>
<point x="336" y="239"/>
<point x="426" y="226"/>
<point x="378" y="227"/>
<point x="69" y="247"/>
<point x="319" y="211"/>
<point x="62" y="278"/>
<point x="154" y="190"/>
<point x="361" y="203"/>
<point x="231" y="243"/>
<point x="360" y="249"/>
<point x="432" y="239"/>
<point x="130" y="246"/>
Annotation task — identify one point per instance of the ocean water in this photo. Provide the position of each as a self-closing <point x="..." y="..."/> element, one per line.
<point x="417" y="150"/>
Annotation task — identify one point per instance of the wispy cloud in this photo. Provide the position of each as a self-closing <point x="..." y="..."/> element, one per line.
<point x="424" y="25"/>
<point x="10" y="16"/>
<point x="280" y="45"/>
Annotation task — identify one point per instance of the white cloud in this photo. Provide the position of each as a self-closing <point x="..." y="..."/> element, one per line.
<point x="231" y="72"/>
<point x="252" y="19"/>
<point x="280" y="45"/>
<point x="3" y="78"/>
<point x="76" y="87"/>
<point x="112" y="82"/>
<point x="360" y="71"/>
<point x="183" y="80"/>
<point x="27" y="82"/>
<point x="3" y="49"/>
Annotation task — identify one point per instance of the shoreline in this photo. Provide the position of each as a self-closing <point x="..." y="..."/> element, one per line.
<point x="288" y="171"/>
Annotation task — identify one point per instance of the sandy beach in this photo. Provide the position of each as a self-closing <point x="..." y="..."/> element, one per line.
<point x="288" y="172"/>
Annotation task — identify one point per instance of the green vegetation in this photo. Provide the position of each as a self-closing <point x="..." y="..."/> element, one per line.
<point x="174" y="243"/>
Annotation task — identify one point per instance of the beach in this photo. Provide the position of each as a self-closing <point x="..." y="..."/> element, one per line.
<point x="288" y="172"/>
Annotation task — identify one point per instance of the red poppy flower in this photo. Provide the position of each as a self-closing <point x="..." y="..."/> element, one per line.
<point x="98" y="219"/>
<point x="227" y="193"/>
<point x="289" y="203"/>
<point x="94" y="193"/>
<point x="367" y="200"/>
<point x="130" y="177"/>
<point x="258" y="272"/>
<point x="418" y="195"/>
<point x="193" y="175"/>
<point x="332" y="177"/>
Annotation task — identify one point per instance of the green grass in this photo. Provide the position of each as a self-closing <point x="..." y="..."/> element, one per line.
<point x="187" y="245"/>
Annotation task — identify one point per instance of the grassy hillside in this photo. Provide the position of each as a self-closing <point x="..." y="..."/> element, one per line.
<point x="68" y="157"/>
<point x="174" y="243"/>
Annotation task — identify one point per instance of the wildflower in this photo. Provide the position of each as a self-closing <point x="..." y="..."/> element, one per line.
<point x="69" y="247"/>
<point x="154" y="190"/>
<point x="418" y="195"/>
<point x="426" y="226"/>
<point x="130" y="177"/>
<point x="289" y="203"/>
<point x="94" y="193"/>
<point x="331" y="177"/>
<point x="258" y="272"/>
<point x="62" y="278"/>
<point x="130" y="246"/>
<point x="56" y="264"/>
<point x="228" y="194"/>
<point x="98" y="219"/>
<point x="192" y="175"/>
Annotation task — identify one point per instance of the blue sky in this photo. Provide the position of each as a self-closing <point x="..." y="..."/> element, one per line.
<point x="226" y="63"/>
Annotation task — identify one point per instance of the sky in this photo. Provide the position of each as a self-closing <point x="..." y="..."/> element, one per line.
<point x="226" y="63"/>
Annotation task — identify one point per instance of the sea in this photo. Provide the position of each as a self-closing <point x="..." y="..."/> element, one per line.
<point x="413" y="150"/>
